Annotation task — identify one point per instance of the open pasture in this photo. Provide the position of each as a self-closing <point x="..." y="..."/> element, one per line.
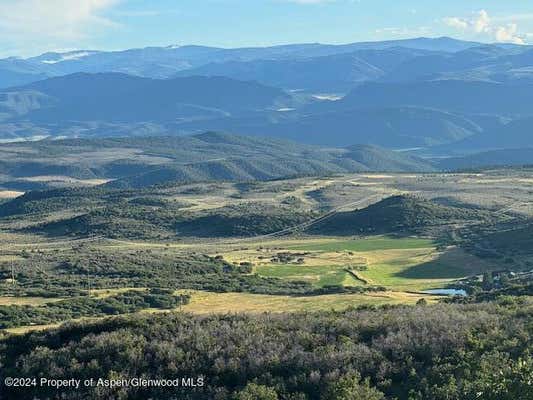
<point x="27" y="301"/>
<point x="215" y="303"/>
<point x="319" y="276"/>
<point x="364" y="244"/>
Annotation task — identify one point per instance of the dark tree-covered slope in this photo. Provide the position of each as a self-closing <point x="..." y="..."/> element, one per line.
<point x="397" y="214"/>
<point x="443" y="352"/>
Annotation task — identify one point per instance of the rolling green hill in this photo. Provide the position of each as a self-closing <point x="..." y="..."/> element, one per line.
<point x="151" y="213"/>
<point x="243" y="221"/>
<point x="397" y="214"/>
<point x="122" y="221"/>
<point x="128" y="219"/>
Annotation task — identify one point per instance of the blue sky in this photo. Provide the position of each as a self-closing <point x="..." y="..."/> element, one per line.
<point x="30" y="27"/>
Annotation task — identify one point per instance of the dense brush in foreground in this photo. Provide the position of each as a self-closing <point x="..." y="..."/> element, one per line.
<point x="477" y="351"/>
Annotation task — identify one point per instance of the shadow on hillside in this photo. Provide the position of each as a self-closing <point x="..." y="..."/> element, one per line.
<point x="453" y="263"/>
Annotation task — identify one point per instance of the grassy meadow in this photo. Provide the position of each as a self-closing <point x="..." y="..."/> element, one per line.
<point x="216" y="303"/>
<point x="398" y="264"/>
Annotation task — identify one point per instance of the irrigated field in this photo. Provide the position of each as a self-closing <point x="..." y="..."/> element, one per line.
<point x="399" y="264"/>
<point x="364" y="244"/>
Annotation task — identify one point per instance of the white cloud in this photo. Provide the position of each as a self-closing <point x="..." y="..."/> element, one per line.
<point x="30" y="23"/>
<point x="483" y="24"/>
<point x="508" y="34"/>
<point x="456" y="22"/>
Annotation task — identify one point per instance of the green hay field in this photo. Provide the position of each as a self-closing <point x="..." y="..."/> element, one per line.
<point x="364" y="244"/>
<point x="399" y="264"/>
<point x="319" y="276"/>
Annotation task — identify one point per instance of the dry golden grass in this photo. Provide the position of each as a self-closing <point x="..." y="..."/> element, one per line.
<point x="27" y="301"/>
<point x="21" y="330"/>
<point x="103" y="293"/>
<point x="10" y="258"/>
<point x="66" y="179"/>
<point x="31" y="328"/>
<point x="207" y="202"/>
<point x="491" y="180"/>
<point x="377" y="176"/>
<point x="313" y="259"/>
<point x="220" y="303"/>
<point x="223" y="303"/>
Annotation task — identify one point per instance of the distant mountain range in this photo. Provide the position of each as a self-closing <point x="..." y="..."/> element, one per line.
<point x="330" y="73"/>
<point x="393" y="127"/>
<point x="446" y="96"/>
<point x="459" y="96"/>
<point x="165" y="62"/>
<point x="467" y="115"/>
<point x="298" y="66"/>
<point x="117" y="97"/>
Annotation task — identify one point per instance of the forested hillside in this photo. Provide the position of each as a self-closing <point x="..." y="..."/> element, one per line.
<point x="399" y="214"/>
<point x="212" y="156"/>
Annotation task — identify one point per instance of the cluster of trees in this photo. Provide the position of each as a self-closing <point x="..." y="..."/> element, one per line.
<point x="439" y="352"/>
<point x="47" y="201"/>
<point x="140" y="218"/>
<point x="69" y="271"/>
<point x="244" y="220"/>
<point x="123" y="303"/>
<point x="503" y="290"/>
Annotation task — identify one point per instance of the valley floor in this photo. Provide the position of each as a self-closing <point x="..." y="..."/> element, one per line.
<point x="282" y="271"/>
<point x="403" y="268"/>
